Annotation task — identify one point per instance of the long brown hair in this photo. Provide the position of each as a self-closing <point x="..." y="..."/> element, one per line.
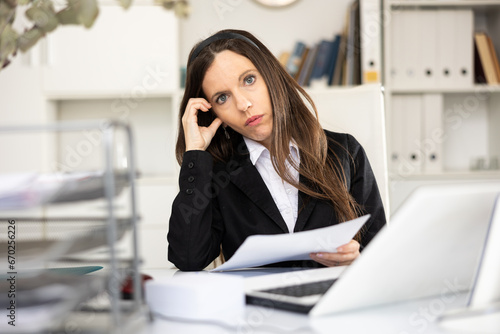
<point x="292" y="119"/>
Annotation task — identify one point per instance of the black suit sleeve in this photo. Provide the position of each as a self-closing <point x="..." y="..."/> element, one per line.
<point x="363" y="187"/>
<point x="195" y="227"/>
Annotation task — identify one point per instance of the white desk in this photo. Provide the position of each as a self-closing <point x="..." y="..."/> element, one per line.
<point x="416" y="316"/>
<point x="413" y="317"/>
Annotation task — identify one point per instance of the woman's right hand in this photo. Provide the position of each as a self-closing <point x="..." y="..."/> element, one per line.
<point x="198" y="137"/>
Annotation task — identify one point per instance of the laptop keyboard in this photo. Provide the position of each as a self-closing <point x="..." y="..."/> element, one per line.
<point x="302" y="290"/>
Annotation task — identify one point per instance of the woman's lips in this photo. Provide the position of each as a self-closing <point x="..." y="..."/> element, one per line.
<point x="254" y="120"/>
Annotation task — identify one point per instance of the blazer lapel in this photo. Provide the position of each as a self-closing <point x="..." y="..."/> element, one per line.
<point x="251" y="183"/>
<point x="306" y="207"/>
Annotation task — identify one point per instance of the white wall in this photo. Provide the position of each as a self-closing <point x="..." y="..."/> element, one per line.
<point x="24" y="100"/>
<point x="279" y="29"/>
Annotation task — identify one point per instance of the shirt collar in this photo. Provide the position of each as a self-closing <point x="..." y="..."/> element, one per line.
<point x="256" y="149"/>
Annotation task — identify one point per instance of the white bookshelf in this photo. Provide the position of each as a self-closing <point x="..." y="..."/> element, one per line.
<point x="436" y="4"/>
<point x="466" y="114"/>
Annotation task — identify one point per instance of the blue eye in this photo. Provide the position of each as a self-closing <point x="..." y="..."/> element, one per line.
<point x="221" y="99"/>
<point x="250" y="80"/>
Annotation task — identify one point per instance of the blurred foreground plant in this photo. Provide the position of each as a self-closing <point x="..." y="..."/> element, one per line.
<point x="45" y="18"/>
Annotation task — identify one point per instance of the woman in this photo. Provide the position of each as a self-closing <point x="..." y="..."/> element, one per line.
<point x="255" y="160"/>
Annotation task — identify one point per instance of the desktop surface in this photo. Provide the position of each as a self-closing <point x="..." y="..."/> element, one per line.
<point x="415" y="316"/>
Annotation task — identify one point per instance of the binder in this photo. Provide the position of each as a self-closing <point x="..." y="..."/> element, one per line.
<point x="406" y="128"/>
<point x="455" y="48"/>
<point x="412" y="127"/>
<point x="370" y="40"/>
<point x="397" y="27"/>
<point x="412" y="47"/>
<point x="446" y="54"/>
<point x="432" y="133"/>
<point x="397" y="135"/>
<point x="432" y="48"/>
<point x="396" y="59"/>
<point x="464" y="46"/>
<point x="428" y="47"/>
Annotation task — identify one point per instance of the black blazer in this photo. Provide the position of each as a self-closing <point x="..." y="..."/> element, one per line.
<point x="224" y="203"/>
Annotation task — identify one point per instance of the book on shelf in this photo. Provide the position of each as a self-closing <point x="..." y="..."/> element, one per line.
<point x="304" y="76"/>
<point x="337" y="75"/>
<point x="479" y="76"/>
<point x="494" y="57"/>
<point x="335" y="61"/>
<point x="321" y="64"/>
<point x="487" y="61"/>
<point x="353" y="66"/>
<point x="302" y="62"/>
<point x="334" y="56"/>
<point x="295" y="60"/>
<point x="283" y="58"/>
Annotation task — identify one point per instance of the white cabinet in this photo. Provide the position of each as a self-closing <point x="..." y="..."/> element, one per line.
<point x="153" y="125"/>
<point x="131" y="52"/>
<point x="21" y="103"/>
<point x="441" y="124"/>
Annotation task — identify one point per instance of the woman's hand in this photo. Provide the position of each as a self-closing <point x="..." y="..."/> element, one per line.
<point x="198" y="137"/>
<point x="345" y="255"/>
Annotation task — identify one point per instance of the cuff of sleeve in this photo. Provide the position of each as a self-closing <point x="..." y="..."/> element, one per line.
<point x="195" y="170"/>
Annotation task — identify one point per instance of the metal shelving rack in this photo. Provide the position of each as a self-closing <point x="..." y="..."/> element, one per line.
<point x="113" y="225"/>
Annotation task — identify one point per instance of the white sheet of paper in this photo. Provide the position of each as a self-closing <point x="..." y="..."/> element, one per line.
<point x="258" y="250"/>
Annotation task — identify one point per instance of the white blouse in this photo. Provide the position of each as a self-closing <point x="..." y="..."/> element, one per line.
<point x="284" y="194"/>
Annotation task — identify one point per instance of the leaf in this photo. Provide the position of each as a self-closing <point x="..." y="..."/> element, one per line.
<point x="43" y="17"/>
<point x="7" y="13"/>
<point x="182" y="9"/>
<point x="82" y="12"/>
<point x="88" y="12"/>
<point x="29" y="38"/>
<point x="8" y="44"/>
<point x="11" y="3"/>
<point x="167" y="4"/>
<point x="4" y="63"/>
<point x="125" y="3"/>
<point x="68" y="16"/>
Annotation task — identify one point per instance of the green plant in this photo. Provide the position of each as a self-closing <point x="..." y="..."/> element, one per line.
<point x="46" y="18"/>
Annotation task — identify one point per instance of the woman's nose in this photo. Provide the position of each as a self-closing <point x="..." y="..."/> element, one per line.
<point x="242" y="102"/>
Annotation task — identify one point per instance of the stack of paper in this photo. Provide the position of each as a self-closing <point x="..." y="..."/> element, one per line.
<point x="26" y="190"/>
<point x="41" y="302"/>
<point x="259" y="250"/>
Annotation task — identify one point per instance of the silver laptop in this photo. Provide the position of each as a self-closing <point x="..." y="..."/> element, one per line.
<point x="432" y="243"/>
<point x="483" y="307"/>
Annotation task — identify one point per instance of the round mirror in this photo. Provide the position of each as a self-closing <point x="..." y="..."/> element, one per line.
<point x="275" y="3"/>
